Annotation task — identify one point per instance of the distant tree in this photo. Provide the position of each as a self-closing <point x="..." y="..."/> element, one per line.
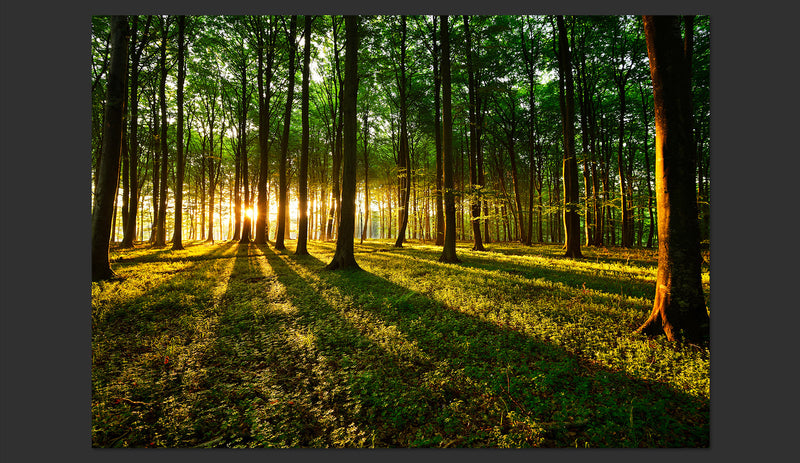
<point x="177" y="237"/>
<point x="449" y="247"/>
<point x="108" y="174"/>
<point x="679" y="310"/>
<point x="283" y="186"/>
<point x="302" y="220"/>
<point x="344" y="256"/>
<point x="572" y="224"/>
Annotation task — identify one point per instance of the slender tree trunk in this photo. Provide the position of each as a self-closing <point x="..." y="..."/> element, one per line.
<point x="572" y="226"/>
<point x="404" y="164"/>
<point x="473" y="145"/>
<point x="283" y="200"/>
<point x="437" y="134"/>
<point x="344" y="256"/>
<point x="302" y="193"/>
<point x="177" y="236"/>
<point x="108" y="175"/>
<point x="449" y="246"/>
<point x="161" y="226"/>
<point x="679" y="310"/>
<point x="366" y="177"/>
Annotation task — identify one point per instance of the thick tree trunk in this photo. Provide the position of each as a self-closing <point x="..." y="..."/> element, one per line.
<point x="449" y="246"/>
<point x="177" y="236"/>
<point x="572" y="226"/>
<point x="283" y="200"/>
<point x="264" y="87"/>
<point x="108" y="174"/>
<point x="679" y="310"/>
<point x="302" y="193"/>
<point x="344" y="256"/>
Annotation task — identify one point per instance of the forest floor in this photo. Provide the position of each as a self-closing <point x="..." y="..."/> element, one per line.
<point x="230" y="345"/>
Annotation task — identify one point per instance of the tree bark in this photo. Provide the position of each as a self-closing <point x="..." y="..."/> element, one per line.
<point x="161" y="224"/>
<point x="679" y="309"/>
<point x="475" y="206"/>
<point x="404" y="164"/>
<point x="283" y="200"/>
<point x="437" y="134"/>
<point x="177" y="236"/>
<point x="572" y="226"/>
<point x="302" y="193"/>
<point x="108" y="174"/>
<point x="449" y="246"/>
<point x="344" y="256"/>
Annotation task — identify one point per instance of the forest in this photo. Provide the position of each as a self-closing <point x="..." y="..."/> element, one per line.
<point x="400" y="231"/>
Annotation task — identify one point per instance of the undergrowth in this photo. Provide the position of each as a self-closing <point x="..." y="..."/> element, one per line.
<point x="231" y="345"/>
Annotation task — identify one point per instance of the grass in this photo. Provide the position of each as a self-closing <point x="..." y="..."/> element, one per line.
<point x="230" y="345"/>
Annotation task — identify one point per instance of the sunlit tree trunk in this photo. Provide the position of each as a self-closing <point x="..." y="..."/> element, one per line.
<point x="679" y="310"/>
<point x="344" y="256"/>
<point x="302" y="219"/>
<point x="572" y="226"/>
<point x="108" y="174"/>
<point x="449" y="246"/>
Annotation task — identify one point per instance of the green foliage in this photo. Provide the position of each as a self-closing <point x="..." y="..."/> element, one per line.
<point x="242" y="346"/>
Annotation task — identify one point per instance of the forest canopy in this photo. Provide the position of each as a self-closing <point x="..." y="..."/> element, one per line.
<point x="507" y="134"/>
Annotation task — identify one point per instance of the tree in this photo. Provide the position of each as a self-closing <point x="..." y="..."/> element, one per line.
<point x="679" y="309"/>
<point x="283" y="200"/>
<point x="264" y="45"/>
<point x="302" y="221"/>
<point x="473" y="143"/>
<point x="572" y="225"/>
<point x="161" y="220"/>
<point x="449" y="246"/>
<point x="177" y="237"/>
<point x="403" y="161"/>
<point x="108" y="176"/>
<point x="133" y="150"/>
<point x="344" y="256"/>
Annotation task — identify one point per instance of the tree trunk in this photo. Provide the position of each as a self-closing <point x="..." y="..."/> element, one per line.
<point x="283" y="200"/>
<point x="366" y="176"/>
<point x="264" y="87"/>
<point x="679" y="310"/>
<point x="344" y="256"/>
<point x="302" y="193"/>
<point x="161" y="225"/>
<point x="177" y="236"/>
<point x="108" y="174"/>
<point x="404" y="163"/>
<point x="437" y="134"/>
<point x="475" y="206"/>
<point x="449" y="246"/>
<point x="572" y="226"/>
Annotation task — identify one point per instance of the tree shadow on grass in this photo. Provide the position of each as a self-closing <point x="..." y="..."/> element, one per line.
<point x="466" y="382"/>
<point x="132" y="341"/>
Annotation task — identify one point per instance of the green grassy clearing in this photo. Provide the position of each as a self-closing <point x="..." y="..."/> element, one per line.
<point x="229" y="345"/>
